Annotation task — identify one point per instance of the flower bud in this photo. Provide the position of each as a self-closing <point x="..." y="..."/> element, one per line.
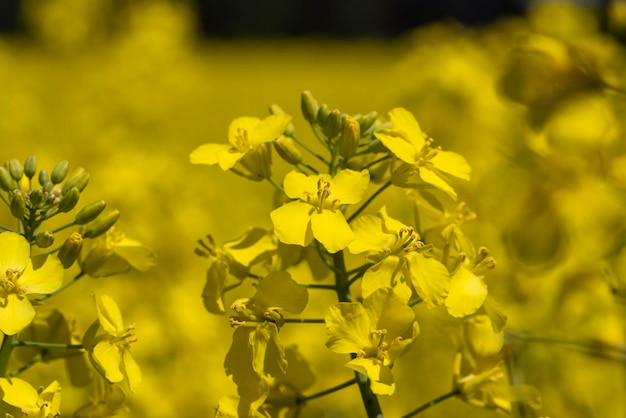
<point x="36" y="197"/>
<point x="69" y="200"/>
<point x="59" y="171"/>
<point x="309" y="106"/>
<point x="349" y="139"/>
<point x="78" y="179"/>
<point x="286" y="148"/>
<point x="258" y="161"/>
<point x="44" y="178"/>
<point x="70" y="250"/>
<point x="89" y="212"/>
<point x="5" y="179"/>
<point x="44" y="239"/>
<point x="277" y="110"/>
<point x="18" y="205"/>
<point x="101" y="225"/>
<point x="366" y="121"/>
<point x="322" y="114"/>
<point x="15" y="169"/>
<point x="332" y="127"/>
<point x="30" y="166"/>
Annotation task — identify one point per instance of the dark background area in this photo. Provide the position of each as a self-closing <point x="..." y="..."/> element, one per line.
<point x="347" y="18"/>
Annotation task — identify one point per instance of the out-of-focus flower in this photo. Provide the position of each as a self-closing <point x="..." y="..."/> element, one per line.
<point x="108" y="342"/>
<point x="407" y="142"/>
<point x="32" y="403"/>
<point x="377" y="331"/>
<point x="21" y="276"/>
<point x="317" y="213"/>
<point x="115" y="253"/>
<point x="248" y="138"/>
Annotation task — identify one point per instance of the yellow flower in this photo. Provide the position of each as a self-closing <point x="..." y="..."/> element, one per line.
<point x="19" y="278"/>
<point x="33" y="404"/>
<point x="316" y="213"/>
<point x="407" y="142"/>
<point x="108" y="342"/>
<point x="248" y="139"/>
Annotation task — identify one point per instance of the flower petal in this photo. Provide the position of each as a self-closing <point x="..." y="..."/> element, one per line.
<point x="278" y="289"/>
<point x="19" y="393"/>
<point x="430" y="278"/>
<point x="133" y="372"/>
<point x="228" y="158"/>
<point x="387" y="311"/>
<point x="434" y="180"/>
<point x="404" y="121"/>
<point x="108" y="356"/>
<point x="14" y="252"/>
<point x="269" y="129"/>
<point x="368" y="235"/>
<point x="292" y="223"/>
<point x="347" y="327"/>
<point x="349" y="186"/>
<point x="387" y="273"/>
<point x="453" y="164"/>
<point x="398" y="143"/>
<point x="16" y="314"/>
<point x="207" y="153"/>
<point x="237" y="126"/>
<point x="389" y="225"/>
<point x="467" y="293"/>
<point x="382" y="382"/>
<point x="44" y="279"/>
<point x="296" y="184"/>
<point x="109" y="315"/>
<point x="332" y="230"/>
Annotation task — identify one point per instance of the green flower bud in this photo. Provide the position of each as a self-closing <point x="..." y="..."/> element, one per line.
<point x="322" y="114"/>
<point x="36" y="197"/>
<point x="15" y="169"/>
<point x="48" y="187"/>
<point x="277" y="110"/>
<point x="69" y="200"/>
<point x="78" y="179"/>
<point x="18" y="205"/>
<point x="366" y="121"/>
<point x="286" y="148"/>
<point x="43" y="178"/>
<point x="332" y="127"/>
<point x="44" y="239"/>
<point x="30" y="166"/>
<point x="6" y="182"/>
<point x="70" y="250"/>
<point x="59" y="171"/>
<point x="309" y="107"/>
<point x="89" y="212"/>
<point x="349" y="139"/>
<point x="102" y="224"/>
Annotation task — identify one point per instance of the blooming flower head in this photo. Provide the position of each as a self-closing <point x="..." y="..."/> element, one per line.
<point x="317" y="212"/>
<point x="32" y="403"/>
<point x="407" y="142"/>
<point x="377" y="331"/>
<point x="394" y="248"/>
<point x="19" y="277"/>
<point x="108" y="342"/>
<point x="248" y="139"/>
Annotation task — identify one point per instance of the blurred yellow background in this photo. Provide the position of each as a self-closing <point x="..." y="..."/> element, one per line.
<point x="128" y="94"/>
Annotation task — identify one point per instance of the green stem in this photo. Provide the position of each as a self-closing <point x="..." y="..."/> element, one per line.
<point x="304" y="399"/>
<point x="5" y="200"/>
<point x="232" y="286"/>
<point x="432" y="403"/>
<point x="36" y="359"/>
<point x="309" y="167"/>
<point x="276" y="185"/>
<point x="370" y="401"/>
<point x="304" y="321"/>
<point x="360" y="272"/>
<point x="414" y="302"/>
<point x="320" y="252"/>
<point x="61" y="228"/>
<point x="5" y="353"/>
<point x="63" y="287"/>
<point x="368" y="201"/>
<point x="6" y="228"/>
<point x="309" y="150"/>
<point x="318" y="286"/>
<point x="37" y="344"/>
<point x="380" y="160"/>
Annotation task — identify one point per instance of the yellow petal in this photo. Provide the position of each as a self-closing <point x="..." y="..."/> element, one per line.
<point x="16" y="314"/>
<point x="43" y="279"/>
<point x="349" y="186"/>
<point x="453" y="164"/>
<point x="382" y="382"/>
<point x="387" y="273"/>
<point x="398" y="143"/>
<point x="19" y="393"/>
<point x="207" y="153"/>
<point x="430" y="278"/>
<point x="14" y="252"/>
<point x="368" y="235"/>
<point x="108" y="356"/>
<point x="296" y="184"/>
<point x="133" y="372"/>
<point x="109" y="315"/>
<point x="332" y="230"/>
<point x="269" y="129"/>
<point x="228" y="158"/>
<point x="347" y="328"/>
<point x="467" y="293"/>
<point x="237" y="126"/>
<point x="292" y="223"/>
<point x="389" y="224"/>
<point x="433" y="179"/>
<point x="136" y="254"/>
<point x="404" y="121"/>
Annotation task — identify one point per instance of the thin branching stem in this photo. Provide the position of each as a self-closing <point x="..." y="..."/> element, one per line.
<point x="36" y="359"/>
<point x="433" y="402"/>
<point x="309" y="150"/>
<point x="62" y="287"/>
<point x="369" y="200"/>
<point x="38" y="344"/>
<point x="328" y="391"/>
<point x="276" y="185"/>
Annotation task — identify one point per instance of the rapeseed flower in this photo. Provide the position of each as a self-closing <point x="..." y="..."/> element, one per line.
<point x="21" y="276"/>
<point x="317" y="212"/>
<point x="33" y="404"/>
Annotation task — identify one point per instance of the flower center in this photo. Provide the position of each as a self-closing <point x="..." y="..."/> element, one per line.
<point x="8" y="283"/>
<point x="323" y="198"/>
<point x="241" y="140"/>
<point x="427" y="153"/>
<point x="128" y="337"/>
